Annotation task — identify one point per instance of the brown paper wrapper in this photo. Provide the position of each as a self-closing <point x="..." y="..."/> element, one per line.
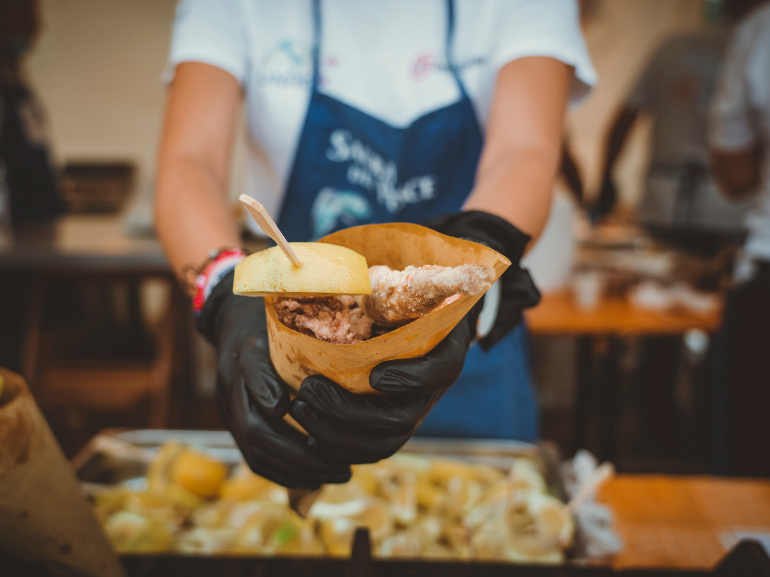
<point x="43" y="512"/>
<point x="396" y="245"/>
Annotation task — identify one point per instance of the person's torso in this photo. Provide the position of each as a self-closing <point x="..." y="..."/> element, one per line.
<point x="390" y="65"/>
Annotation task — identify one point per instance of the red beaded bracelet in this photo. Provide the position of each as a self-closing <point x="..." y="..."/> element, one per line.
<point x="221" y="264"/>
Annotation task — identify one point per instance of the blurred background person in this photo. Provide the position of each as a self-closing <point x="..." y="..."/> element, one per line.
<point x="29" y="186"/>
<point x="680" y="200"/>
<point x="740" y="157"/>
<point x="26" y="169"/>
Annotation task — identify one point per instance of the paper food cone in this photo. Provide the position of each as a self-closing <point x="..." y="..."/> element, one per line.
<point x="43" y="513"/>
<point x="396" y="245"/>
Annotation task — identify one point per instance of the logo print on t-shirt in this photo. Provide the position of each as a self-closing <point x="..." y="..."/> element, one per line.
<point x="427" y="63"/>
<point x="290" y="63"/>
<point x="371" y="171"/>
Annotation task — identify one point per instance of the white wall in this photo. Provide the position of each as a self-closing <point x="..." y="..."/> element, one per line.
<point x="97" y="70"/>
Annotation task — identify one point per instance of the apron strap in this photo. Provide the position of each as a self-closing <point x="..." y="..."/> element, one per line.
<point x="448" y="49"/>
<point x="316" y="53"/>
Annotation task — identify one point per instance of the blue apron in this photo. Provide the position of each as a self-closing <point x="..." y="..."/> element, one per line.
<point x="351" y="168"/>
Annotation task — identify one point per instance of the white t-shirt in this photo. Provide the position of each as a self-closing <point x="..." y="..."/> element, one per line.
<point x="384" y="57"/>
<point x="740" y="115"/>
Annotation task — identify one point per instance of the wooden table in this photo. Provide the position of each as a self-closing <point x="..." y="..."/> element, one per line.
<point x="600" y="333"/>
<point x="684" y="522"/>
<point x="97" y="247"/>
<point x="82" y="244"/>
<point x="557" y="314"/>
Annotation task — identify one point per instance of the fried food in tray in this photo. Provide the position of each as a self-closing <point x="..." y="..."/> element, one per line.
<point x="414" y="507"/>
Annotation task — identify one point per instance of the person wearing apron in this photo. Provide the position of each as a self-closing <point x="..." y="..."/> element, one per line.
<point x="352" y="168"/>
<point x="442" y="147"/>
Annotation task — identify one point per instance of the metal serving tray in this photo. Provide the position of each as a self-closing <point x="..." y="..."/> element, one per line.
<point x="117" y="456"/>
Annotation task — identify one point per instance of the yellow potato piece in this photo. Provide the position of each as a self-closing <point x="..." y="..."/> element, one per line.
<point x="243" y="485"/>
<point x="444" y="470"/>
<point x="337" y="535"/>
<point x="429" y="495"/>
<point x="552" y="518"/>
<point x="199" y="473"/>
<point x="134" y="533"/>
<point x="159" y="472"/>
<point x="327" y="269"/>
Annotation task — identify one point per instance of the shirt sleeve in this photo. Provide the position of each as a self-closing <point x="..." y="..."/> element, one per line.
<point x="212" y="32"/>
<point x="546" y="28"/>
<point x="731" y="126"/>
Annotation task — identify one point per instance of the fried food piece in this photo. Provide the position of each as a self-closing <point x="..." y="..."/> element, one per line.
<point x="413" y="507"/>
<point x="132" y="532"/>
<point x="534" y="528"/>
<point x="401" y="296"/>
<point x="339" y="320"/>
<point x="199" y="473"/>
<point x="243" y="485"/>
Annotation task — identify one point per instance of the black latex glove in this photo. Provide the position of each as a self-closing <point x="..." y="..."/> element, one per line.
<point x="518" y="292"/>
<point x="253" y="399"/>
<point x="350" y="428"/>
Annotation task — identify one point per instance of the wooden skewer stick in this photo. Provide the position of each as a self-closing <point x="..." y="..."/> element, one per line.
<point x="269" y="227"/>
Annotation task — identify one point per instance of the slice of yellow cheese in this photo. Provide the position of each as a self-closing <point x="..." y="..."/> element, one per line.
<point x="327" y="269"/>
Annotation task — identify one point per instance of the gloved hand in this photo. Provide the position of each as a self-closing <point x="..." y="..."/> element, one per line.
<point x="253" y="399"/>
<point x="517" y="292"/>
<point x="350" y="428"/>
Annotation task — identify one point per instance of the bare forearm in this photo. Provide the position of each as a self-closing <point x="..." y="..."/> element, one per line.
<point x="523" y="143"/>
<point x="517" y="188"/>
<point x="193" y="216"/>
